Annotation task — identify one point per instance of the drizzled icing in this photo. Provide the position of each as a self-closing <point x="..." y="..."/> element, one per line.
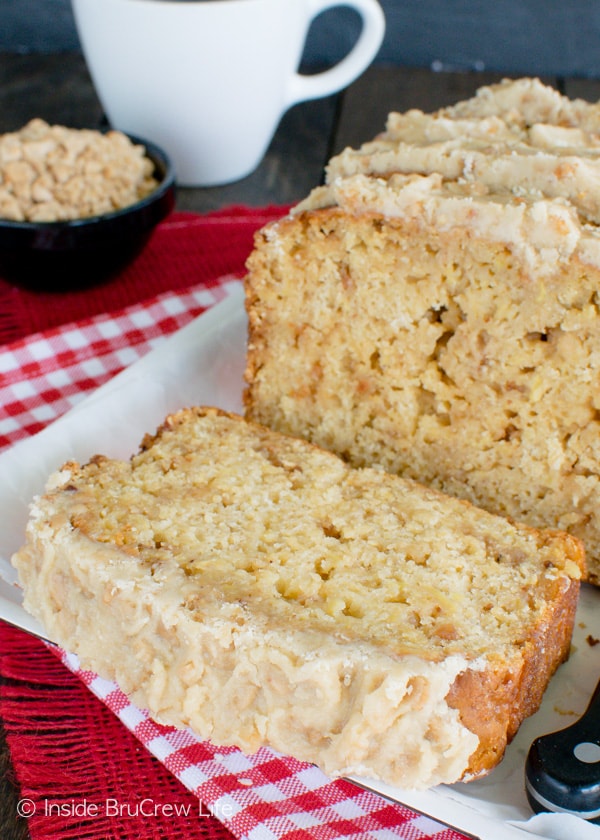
<point x="517" y="163"/>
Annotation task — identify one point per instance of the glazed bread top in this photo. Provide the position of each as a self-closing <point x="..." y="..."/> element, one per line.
<point x="518" y="163"/>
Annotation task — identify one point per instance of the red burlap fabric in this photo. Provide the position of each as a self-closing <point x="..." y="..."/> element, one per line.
<point x="66" y="745"/>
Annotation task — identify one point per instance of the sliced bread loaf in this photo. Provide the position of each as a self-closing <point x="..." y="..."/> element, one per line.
<point x="256" y="588"/>
<point x="434" y="308"/>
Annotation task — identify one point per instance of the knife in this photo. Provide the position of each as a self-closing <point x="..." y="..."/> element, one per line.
<point x="562" y="770"/>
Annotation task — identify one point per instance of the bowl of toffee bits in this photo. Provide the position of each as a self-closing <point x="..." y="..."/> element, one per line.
<point x="77" y="205"/>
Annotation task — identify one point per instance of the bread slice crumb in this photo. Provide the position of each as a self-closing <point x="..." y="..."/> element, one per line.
<point x="257" y="589"/>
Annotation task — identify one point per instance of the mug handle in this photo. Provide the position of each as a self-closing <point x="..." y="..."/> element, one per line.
<point x="301" y="87"/>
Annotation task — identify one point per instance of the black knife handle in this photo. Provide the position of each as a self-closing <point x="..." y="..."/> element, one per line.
<point x="562" y="770"/>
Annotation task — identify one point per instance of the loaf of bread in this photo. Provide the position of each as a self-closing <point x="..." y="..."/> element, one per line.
<point x="434" y="308"/>
<point x="257" y="589"/>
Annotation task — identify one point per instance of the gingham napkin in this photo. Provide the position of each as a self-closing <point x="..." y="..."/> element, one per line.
<point x="44" y="375"/>
<point x="265" y="796"/>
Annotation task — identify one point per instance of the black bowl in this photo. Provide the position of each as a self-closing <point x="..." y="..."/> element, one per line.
<point x="62" y="256"/>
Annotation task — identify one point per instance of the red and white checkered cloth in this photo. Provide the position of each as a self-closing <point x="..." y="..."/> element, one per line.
<point x="46" y="374"/>
<point x="265" y="796"/>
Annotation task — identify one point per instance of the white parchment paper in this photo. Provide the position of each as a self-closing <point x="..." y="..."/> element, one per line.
<point x="203" y="364"/>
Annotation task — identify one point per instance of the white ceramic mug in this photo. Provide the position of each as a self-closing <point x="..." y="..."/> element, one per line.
<point x="209" y="80"/>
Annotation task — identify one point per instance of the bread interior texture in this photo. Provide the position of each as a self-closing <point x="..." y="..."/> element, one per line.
<point x="258" y="589"/>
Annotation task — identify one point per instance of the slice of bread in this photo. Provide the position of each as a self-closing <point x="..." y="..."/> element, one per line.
<point x="434" y="309"/>
<point x="257" y="589"/>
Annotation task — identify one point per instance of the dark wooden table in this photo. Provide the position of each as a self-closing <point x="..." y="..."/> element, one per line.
<point x="58" y="89"/>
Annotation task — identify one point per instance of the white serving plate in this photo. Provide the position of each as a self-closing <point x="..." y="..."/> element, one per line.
<point x="203" y="364"/>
